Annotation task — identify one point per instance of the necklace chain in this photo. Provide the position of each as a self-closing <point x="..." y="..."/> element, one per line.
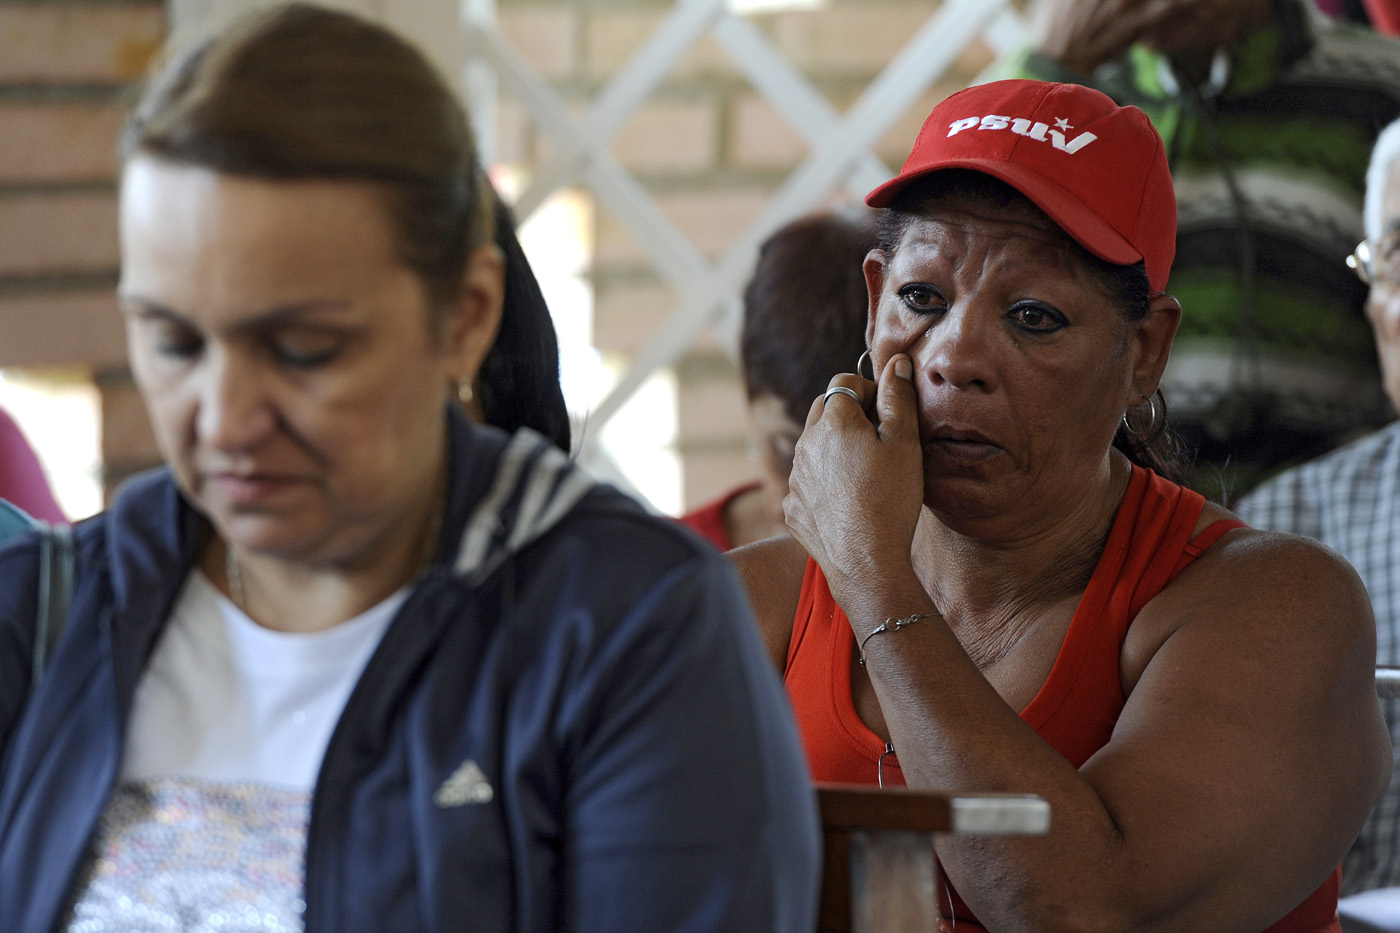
<point x="235" y="578"/>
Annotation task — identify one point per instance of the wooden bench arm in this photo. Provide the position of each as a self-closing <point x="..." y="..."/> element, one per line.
<point x="861" y="807"/>
<point x="1388" y="682"/>
<point x="879" y="873"/>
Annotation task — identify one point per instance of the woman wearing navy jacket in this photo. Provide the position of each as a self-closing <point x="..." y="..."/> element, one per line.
<point x="350" y="661"/>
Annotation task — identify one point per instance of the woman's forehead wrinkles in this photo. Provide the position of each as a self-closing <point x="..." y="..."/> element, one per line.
<point x="956" y="234"/>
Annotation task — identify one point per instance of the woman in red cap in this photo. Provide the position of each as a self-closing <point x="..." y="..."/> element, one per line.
<point x="994" y="584"/>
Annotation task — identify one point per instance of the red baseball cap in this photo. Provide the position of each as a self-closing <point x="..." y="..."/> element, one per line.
<point x="1097" y="169"/>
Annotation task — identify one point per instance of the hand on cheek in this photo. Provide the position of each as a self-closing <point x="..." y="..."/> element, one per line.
<point x="857" y="479"/>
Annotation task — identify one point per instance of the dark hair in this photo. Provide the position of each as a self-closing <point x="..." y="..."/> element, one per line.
<point x="805" y="308"/>
<point x="1144" y="437"/>
<point x="299" y="91"/>
<point x="519" y="380"/>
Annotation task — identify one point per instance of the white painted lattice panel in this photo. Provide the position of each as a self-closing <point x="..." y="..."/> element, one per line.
<point x="841" y="154"/>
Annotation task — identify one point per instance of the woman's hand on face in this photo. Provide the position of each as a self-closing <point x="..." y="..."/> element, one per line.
<point x="1083" y="34"/>
<point x="857" y="478"/>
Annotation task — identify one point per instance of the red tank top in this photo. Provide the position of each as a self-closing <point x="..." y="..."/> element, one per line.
<point x="708" y="519"/>
<point x="1079" y="703"/>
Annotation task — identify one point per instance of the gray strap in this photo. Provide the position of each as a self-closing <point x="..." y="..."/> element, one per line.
<point x="55" y="591"/>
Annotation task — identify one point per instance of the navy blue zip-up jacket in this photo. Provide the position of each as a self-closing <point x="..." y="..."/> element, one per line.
<point x="598" y="667"/>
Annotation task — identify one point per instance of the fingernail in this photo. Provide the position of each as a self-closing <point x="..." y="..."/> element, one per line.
<point x="903" y="368"/>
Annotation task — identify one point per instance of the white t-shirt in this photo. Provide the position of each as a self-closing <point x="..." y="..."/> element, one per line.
<point x="206" y="828"/>
<point x="226" y="700"/>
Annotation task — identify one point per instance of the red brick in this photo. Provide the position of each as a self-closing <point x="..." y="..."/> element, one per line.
<point x="614" y="242"/>
<point x="708" y="473"/>
<point x="714" y="412"/>
<point x="515" y="133"/>
<point x="895" y="144"/>
<point x="545" y="36"/>
<point x="668" y="136"/>
<point x="706" y="59"/>
<point x="626" y="316"/>
<point x="709" y="219"/>
<point x="760" y="138"/>
<point x="977" y="56"/>
<point x="49" y="143"/>
<point x="127" y="440"/>
<point x="61" y="329"/>
<point x="52" y="234"/>
<point x="861" y="38"/>
<point x="78" y="43"/>
<point x="613" y="36"/>
<point x="547" y="139"/>
<point x="712" y="220"/>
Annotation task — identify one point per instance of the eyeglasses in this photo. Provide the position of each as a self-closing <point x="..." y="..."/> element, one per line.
<point x="1377" y="263"/>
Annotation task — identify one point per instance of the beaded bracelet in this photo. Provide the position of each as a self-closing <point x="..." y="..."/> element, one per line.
<point x="890" y="625"/>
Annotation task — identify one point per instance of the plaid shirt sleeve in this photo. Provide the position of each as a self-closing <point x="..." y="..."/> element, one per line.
<point x="1283" y="504"/>
<point x="1350" y="501"/>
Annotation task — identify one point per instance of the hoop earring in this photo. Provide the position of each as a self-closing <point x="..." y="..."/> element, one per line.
<point x="1151" y="403"/>
<point x="860" y="366"/>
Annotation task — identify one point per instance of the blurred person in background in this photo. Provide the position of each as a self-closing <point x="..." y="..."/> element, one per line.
<point x="1380" y="15"/>
<point x="22" y="479"/>
<point x="804" y="321"/>
<point x="1350" y="498"/>
<point x="1269" y="110"/>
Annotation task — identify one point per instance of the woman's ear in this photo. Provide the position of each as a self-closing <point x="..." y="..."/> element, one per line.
<point x="1152" y="339"/>
<point x="471" y="324"/>
<point x="874" y="269"/>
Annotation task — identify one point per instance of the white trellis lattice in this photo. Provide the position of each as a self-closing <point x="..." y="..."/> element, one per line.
<point x="840" y="155"/>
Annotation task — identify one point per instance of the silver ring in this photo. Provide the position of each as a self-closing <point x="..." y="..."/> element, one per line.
<point x="840" y="390"/>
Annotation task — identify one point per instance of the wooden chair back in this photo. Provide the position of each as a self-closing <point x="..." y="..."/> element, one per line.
<point x="1387" y="681"/>
<point x="880" y="875"/>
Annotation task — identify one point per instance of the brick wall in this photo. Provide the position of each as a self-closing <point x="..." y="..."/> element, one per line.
<point x="710" y="150"/>
<point x="65" y="70"/>
<point x="68" y="71"/>
<point x="707" y="147"/>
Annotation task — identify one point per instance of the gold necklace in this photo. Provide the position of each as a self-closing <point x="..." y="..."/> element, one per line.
<point x="235" y="578"/>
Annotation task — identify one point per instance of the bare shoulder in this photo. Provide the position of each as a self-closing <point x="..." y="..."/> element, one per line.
<point x="1277" y="627"/>
<point x="771" y="571"/>
<point x="1256" y="586"/>
<point x="1283" y="571"/>
<point x="1250" y="692"/>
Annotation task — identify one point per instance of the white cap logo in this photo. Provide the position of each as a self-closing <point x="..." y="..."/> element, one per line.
<point x="1040" y="132"/>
